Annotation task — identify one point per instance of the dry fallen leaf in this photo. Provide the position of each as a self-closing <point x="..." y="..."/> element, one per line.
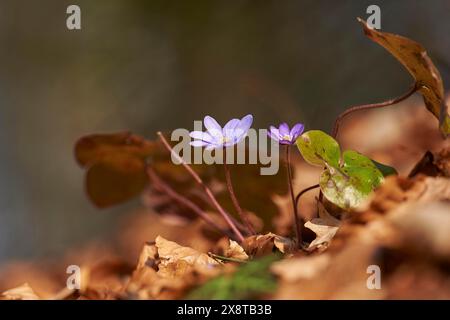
<point x="235" y="251"/>
<point x="415" y="59"/>
<point x="146" y="283"/>
<point x="260" y="245"/>
<point x="325" y="227"/>
<point x="23" y="292"/>
<point x="176" y="260"/>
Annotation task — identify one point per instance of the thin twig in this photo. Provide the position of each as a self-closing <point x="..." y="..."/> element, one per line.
<point x="208" y="191"/>
<point x="168" y="190"/>
<point x="297" y="219"/>
<point x="338" y="121"/>
<point x="233" y="197"/>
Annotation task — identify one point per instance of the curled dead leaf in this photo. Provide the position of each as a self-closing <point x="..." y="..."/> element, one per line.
<point x="415" y="59"/>
<point x="325" y="228"/>
<point x="260" y="245"/>
<point x="176" y="260"/>
<point x="235" y="251"/>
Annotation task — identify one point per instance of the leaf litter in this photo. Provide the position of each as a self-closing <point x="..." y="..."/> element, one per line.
<point x="402" y="226"/>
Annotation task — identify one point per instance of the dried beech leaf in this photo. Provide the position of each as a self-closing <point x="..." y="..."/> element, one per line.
<point x="98" y="147"/>
<point x="235" y="251"/>
<point x="23" y="292"/>
<point x="177" y="260"/>
<point x="146" y="282"/>
<point x="415" y="59"/>
<point x="285" y="245"/>
<point x="325" y="227"/>
<point x="260" y="245"/>
<point x="148" y="256"/>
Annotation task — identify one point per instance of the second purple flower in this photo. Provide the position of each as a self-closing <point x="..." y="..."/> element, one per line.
<point x="284" y="135"/>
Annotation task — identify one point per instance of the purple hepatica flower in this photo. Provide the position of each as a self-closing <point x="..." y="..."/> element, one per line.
<point x="285" y="136"/>
<point x="217" y="137"/>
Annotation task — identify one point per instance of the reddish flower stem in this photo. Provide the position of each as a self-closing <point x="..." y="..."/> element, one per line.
<point x="208" y="191"/>
<point x="162" y="186"/>
<point x="298" y="221"/>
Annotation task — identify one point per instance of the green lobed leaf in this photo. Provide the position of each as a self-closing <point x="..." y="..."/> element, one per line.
<point x="348" y="181"/>
<point x="318" y="148"/>
<point x="348" y="185"/>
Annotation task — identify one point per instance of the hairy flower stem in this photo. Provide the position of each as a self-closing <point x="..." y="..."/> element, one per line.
<point x="298" y="221"/>
<point x="162" y="186"/>
<point x="208" y="191"/>
<point x="297" y="198"/>
<point x="338" y="121"/>
<point x="233" y="195"/>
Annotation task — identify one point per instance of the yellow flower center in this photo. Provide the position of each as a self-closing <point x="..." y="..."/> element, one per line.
<point x="287" y="137"/>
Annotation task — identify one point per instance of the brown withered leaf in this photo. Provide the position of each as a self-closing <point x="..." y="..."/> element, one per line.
<point x="115" y="180"/>
<point x="235" y="251"/>
<point x="176" y="260"/>
<point x="23" y="292"/>
<point x="263" y="244"/>
<point x="98" y="147"/>
<point x="415" y="59"/>
<point x="115" y="166"/>
<point x="395" y="191"/>
<point x="325" y="227"/>
<point x="146" y="283"/>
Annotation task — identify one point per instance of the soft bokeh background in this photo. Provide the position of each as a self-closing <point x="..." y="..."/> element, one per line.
<point x="158" y="65"/>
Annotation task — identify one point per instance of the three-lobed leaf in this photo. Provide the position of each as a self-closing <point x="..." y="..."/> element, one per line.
<point x="350" y="184"/>
<point x="345" y="181"/>
<point x="318" y="148"/>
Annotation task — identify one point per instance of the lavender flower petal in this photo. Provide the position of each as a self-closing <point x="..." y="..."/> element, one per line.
<point x="243" y="127"/>
<point x="199" y="143"/>
<point x="284" y="129"/>
<point x="200" y="135"/>
<point x="296" y="131"/>
<point x="213" y="127"/>
<point x="274" y="133"/>
<point x="230" y="127"/>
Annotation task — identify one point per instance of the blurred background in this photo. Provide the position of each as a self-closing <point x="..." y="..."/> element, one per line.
<point x="158" y="65"/>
